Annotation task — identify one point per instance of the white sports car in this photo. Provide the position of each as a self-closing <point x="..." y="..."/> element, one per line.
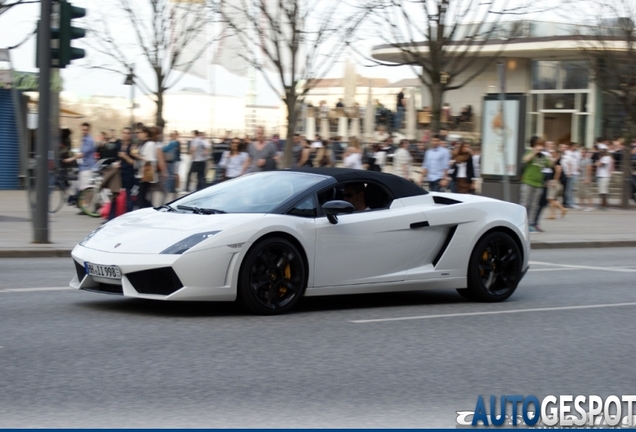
<point x="267" y="239"/>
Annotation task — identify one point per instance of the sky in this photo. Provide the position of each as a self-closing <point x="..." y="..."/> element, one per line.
<point x="20" y="21"/>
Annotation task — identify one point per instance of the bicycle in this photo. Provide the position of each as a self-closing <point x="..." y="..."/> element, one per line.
<point x="92" y="197"/>
<point x="59" y="184"/>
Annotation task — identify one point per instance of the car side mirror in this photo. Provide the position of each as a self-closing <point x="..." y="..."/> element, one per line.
<point x="333" y="208"/>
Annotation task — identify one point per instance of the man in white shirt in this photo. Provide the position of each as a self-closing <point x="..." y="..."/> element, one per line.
<point x="435" y="165"/>
<point x="199" y="150"/>
<point x="603" y="174"/>
<point x="571" y="167"/>
<point x="402" y="160"/>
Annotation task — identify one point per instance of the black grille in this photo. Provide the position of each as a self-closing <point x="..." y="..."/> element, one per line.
<point x="161" y="281"/>
<point x="81" y="271"/>
<point x="106" y="289"/>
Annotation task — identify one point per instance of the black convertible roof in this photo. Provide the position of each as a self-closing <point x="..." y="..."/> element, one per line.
<point x="399" y="187"/>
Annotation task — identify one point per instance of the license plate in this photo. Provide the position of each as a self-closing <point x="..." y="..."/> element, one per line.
<point x="105" y="271"/>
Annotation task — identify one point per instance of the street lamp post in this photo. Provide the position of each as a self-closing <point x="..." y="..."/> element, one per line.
<point x="504" y="138"/>
<point x="41" y="216"/>
<point x="130" y="80"/>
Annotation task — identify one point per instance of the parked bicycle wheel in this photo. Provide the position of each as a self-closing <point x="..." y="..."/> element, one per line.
<point x="57" y="197"/>
<point x="90" y="201"/>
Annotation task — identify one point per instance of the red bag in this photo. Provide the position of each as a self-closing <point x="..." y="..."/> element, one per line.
<point x="121" y="205"/>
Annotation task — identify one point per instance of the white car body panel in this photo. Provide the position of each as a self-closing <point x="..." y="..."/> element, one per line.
<point x="366" y="252"/>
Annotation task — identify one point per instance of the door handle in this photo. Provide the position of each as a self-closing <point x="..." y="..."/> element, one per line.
<point x="416" y="225"/>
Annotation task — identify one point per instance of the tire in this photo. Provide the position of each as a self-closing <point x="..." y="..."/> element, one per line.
<point x="90" y="201"/>
<point x="57" y="199"/>
<point x="273" y="277"/>
<point x="494" y="269"/>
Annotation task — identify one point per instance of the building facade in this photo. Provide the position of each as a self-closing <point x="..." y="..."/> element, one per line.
<point x="545" y="62"/>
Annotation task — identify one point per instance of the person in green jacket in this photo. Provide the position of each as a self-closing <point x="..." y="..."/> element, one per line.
<point x="532" y="179"/>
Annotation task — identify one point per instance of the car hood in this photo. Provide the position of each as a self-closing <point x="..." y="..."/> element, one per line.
<point x="150" y="231"/>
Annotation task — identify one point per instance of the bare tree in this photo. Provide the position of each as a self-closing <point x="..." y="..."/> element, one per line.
<point x="168" y="36"/>
<point x="609" y="44"/>
<point x="6" y="5"/>
<point x="293" y="43"/>
<point x="444" y="38"/>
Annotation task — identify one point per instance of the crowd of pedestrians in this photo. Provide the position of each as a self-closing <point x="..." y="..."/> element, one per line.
<point x="554" y="176"/>
<point x="140" y="162"/>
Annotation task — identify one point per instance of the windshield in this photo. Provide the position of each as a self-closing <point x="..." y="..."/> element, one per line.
<point x="252" y="193"/>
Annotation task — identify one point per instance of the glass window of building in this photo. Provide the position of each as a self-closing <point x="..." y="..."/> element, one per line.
<point x="553" y="75"/>
<point x="545" y="75"/>
<point x="574" y="74"/>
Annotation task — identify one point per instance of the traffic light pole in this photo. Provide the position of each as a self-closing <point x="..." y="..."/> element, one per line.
<point x="41" y="217"/>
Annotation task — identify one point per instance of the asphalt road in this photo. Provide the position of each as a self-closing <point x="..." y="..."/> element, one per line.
<point x="78" y="359"/>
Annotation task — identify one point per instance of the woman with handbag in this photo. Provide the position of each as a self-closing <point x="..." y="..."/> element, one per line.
<point x="152" y="164"/>
<point x="464" y="172"/>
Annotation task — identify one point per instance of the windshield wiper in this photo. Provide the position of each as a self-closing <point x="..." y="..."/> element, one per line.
<point x="199" y="210"/>
<point x="166" y="207"/>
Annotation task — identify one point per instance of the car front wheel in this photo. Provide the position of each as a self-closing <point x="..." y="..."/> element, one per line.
<point x="494" y="270"/>
<point x="273" y="277"/>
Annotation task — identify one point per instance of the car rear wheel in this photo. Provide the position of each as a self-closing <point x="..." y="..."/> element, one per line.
<point x="273" y="277"/>
<point x="494" y="270"/>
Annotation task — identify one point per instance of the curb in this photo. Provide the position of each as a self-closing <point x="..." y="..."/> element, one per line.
<point x="582" y="244"/>
<point x="44" y="253"/>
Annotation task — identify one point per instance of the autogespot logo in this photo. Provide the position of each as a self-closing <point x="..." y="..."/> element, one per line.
<point x="551" y="411"/>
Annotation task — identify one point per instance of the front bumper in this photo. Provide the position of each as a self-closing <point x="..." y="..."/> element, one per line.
<point x="202" y="275"/>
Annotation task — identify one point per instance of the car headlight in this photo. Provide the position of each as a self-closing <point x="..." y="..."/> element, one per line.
<point x="188" y="242"/>
<point x="90" y="236"/>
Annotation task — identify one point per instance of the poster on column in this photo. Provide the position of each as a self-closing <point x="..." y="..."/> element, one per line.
<point x="502" y="125"/>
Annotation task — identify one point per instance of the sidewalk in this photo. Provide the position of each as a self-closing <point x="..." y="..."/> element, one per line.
<point x="578" y="229"/>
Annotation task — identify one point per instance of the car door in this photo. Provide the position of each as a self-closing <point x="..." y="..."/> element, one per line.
<point x="374" y="246"/>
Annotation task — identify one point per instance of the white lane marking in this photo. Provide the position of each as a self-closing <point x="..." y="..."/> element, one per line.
<point x="511" y="311"/>
<point x="611" y="269"/>
<point x="549" y="269"/>
<point x="9" y="290"/>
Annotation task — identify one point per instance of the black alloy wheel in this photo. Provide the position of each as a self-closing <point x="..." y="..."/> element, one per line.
<point x="273" y="277"/>
<point x="494" y="270"/>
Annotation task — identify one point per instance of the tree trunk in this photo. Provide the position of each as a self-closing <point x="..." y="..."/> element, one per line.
<point x="437" y="98"/>
<point x="292" y="114"/>
<point x="159" y="121"/>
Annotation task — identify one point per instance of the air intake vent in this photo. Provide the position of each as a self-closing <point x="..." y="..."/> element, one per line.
<point x="105" y="288"/>
<point x="161" y="281"/>
<point x="81" y="271"/>
<point x="445" y="201"/>
<point x="447" y="240"/>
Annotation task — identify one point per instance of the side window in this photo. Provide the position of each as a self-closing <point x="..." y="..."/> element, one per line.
<point x="333" y="193"/>
<point x="375" y="197"/>
<point x="305" y="208"/>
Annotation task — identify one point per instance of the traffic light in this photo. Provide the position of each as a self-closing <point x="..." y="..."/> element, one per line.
<point x="62" y="34"/>
<point x="67" y="33"/>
